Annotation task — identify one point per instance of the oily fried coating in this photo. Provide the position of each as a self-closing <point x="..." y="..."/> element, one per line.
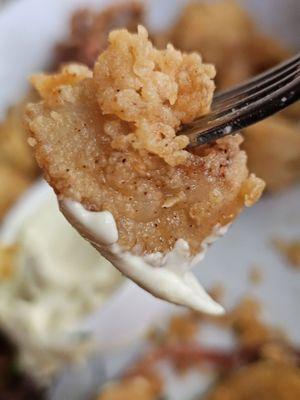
<point x="151" y="88"/>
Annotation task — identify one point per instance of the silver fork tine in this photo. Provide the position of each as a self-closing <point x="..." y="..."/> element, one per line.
<point x="248" y="104"/>
<point x="272" y="72"/>
<point x="248" y="98"/>
<point x="254" y="88"/>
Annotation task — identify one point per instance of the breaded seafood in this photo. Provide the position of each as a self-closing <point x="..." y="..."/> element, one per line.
<point x="106" y="140"/>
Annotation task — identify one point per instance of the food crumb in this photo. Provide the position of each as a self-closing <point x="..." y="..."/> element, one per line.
<point x="129" y="389"/>
<point x="217" y="292"/>
<point x="182" y="328"/>
<point x="31" y="141"/>
<point x="278" y="353"/>
<point x="252" y="190"/>
<point x="290" y="250"/>
<point x="245" y="321"/>
<point x="7" y="260"/>
<point x="255" y="274"/>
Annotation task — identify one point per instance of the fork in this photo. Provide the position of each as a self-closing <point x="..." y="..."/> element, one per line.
<point x="246" y="104"/>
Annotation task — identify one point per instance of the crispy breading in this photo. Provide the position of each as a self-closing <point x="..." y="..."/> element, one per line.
<point x="100" y="149"/>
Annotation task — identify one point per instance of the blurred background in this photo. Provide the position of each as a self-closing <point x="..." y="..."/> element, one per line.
<point x="71" y="326"/>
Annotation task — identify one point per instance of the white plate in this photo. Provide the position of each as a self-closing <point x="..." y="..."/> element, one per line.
<point x="37" y="25"/>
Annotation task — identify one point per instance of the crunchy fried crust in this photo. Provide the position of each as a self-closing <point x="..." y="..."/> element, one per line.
<point x="155" y="197"/>
<point x="151" y="88"/>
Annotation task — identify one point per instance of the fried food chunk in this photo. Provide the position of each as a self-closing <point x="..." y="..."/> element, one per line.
<point x="136" y="388"/>
<point x="12" y="185"/>
<point x="263" y="381"/>
<point x="14" y="149"/>
<point x="90" y="30"/>
<point x="273" y="149"/>
<point x="109" y="142"/>
<point x="290" y="250"/>
<point x="7" y="261"/>
<point x="17" y="162"/>
<point x="246" y="322"/>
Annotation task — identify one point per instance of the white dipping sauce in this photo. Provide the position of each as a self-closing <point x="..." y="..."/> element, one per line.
<point x="165" y="275"/>
<point x="58" y="280"/>
<point x="102" y="225"/>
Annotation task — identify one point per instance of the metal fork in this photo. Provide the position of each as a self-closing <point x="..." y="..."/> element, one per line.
<point x="244" y="105"/>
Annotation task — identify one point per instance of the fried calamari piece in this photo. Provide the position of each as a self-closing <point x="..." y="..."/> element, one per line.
<point x="273" y="149"/>
<point x="263" y="381"/>
<point x="106" y="152"/>
<point x="135" y="388"/>
<point x="12" y="185"/>
<point x="17" y="162"/>
<point x="90" y="30"/>
<point x="14" y="149"/>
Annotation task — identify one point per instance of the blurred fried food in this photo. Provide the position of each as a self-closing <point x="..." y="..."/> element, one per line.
<point x="262" y="365"/>
<point x="90" y="29"/>
<point x="14" y="149"/>
<point x="7" y="260"/>
<point x="18" y="167"/>
<point x="273" y="149"/>
<point x="134" y="388"/>
<point x="260" y="381"/>
<point x="290" y="250"/>
<point x="12" y="184"/>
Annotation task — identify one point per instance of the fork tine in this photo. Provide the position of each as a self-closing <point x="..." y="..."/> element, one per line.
<point x="232" y="122"/>
<point x="259" y="78"/>
<point x="258" y="93"/>
<point x="253" y="88"/>
<point x="257" y="99"/>
<point x="246" y="101"/>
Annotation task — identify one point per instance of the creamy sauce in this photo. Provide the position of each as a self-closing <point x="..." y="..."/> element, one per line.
<point x="166" y="276"/>
<point x="102" y="225"/>
<point x="58" y="280"/>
